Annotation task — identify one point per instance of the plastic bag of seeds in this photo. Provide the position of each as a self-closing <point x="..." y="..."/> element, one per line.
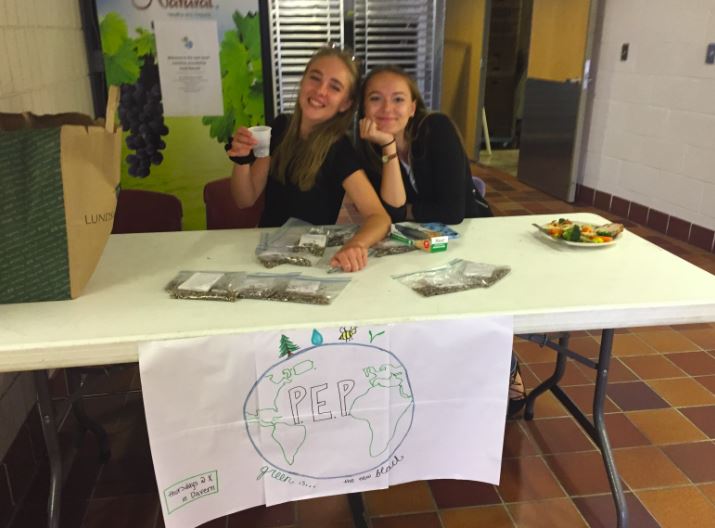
<point x="337" y="234"/>
<point x="480" y="274"/>
<point x="457" y="275"/>
<point x="206" y="285"/>
<point x="388" y="246"/>
<point x="293" y="243"/>
<point x="434" y="281"/>
<point x="264" y="286"/>
<point x="291" y="287"/>
<point x="313" y="290"/>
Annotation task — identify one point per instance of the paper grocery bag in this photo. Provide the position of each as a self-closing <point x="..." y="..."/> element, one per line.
<point x="59" y="176"/>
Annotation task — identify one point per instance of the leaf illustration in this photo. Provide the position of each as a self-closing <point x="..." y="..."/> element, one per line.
<point x="145" y="43"/>
<point x="121" y="61"/>
<point x="122" y="67"/>
<point x="113" y="31"/>
<point x="241" y="79"/>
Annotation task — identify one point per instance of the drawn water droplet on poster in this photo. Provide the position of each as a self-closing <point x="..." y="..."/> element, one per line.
<point x="316" y="338"/>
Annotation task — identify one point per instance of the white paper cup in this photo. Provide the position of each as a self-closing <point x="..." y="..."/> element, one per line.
<point x="263" y="136"/>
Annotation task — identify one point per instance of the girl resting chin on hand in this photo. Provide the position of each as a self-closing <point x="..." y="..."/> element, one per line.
<point x="415" y="159"/>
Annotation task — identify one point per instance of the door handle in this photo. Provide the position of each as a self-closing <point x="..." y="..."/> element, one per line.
<point x="586" y="74"/>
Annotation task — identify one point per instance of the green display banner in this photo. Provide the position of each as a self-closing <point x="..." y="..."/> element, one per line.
<point x="180" y="154"/>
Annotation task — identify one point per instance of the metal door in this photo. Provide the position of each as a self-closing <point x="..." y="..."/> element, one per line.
<point x="557" y="88"/>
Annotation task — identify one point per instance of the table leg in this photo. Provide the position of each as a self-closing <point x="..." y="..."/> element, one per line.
<point x="357" y="508"/>
<point x="49" y="431"/>
<point x="604" y="361"/>
<point x="596" y="429"/>
<point x="77" y="382"/>
<point x="549" y="383"/>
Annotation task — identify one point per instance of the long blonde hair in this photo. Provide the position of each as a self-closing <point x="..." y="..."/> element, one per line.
<point x="304" y="156"/>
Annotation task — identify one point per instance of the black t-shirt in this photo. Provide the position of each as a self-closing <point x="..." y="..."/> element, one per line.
<point x="319" y="205"/>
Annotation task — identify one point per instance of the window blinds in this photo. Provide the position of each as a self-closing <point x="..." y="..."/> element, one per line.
<point x="298" y="28"/>
<point x="408" y="33"/>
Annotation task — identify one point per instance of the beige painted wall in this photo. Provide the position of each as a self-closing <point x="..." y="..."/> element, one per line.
<point x="43" y="69"/>
<point x="558" y="39"/>
<point x="463" y="33"/>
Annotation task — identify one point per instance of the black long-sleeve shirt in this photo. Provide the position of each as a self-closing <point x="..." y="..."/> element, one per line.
<point x="443" y="190"/>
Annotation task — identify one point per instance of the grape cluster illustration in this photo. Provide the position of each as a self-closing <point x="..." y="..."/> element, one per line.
<point x="142" y="114"/>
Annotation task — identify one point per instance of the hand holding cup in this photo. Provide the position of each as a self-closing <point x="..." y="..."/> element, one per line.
<point x="262" y="135"/>
<point x="241" y="143"/>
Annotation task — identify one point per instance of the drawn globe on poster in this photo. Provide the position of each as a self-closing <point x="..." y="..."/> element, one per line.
<point x="335" y="410"/>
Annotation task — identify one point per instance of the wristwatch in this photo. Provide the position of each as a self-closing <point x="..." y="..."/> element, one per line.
<point x="387" y="157"/>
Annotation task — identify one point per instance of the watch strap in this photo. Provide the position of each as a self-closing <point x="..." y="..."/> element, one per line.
<point x="387" y="157"/>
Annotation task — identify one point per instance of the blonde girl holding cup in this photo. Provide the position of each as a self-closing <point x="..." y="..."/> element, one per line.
<point x="312" y="163"/>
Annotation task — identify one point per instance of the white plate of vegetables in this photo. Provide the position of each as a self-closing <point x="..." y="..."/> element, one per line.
<point x="581" y="234"/>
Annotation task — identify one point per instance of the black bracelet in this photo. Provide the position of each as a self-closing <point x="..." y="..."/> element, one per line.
<point x="241" y="160"/>
<point x="389" y="143"/>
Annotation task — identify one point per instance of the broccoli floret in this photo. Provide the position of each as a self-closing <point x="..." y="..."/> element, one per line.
<point x="575" y="234"/>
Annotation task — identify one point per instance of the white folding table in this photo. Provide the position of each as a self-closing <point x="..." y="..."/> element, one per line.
<point x="552" y="288"/>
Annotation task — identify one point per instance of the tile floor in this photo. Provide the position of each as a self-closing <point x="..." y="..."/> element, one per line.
<point x="506" y="160"/>
<point x="660" y="418"/>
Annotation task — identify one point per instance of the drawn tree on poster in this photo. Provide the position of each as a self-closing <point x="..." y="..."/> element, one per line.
<point x="286" y="347"/>
<point x="241" y="79"/>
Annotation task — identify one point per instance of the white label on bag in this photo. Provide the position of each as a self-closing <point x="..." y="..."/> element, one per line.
<point x="313" y="240"/>
<point x="200" y="281"/>
<point x="478" y="269"/>
<point x="256" y="283"/>
<point x="448" y="281"/>
<point x="302" y="286"/>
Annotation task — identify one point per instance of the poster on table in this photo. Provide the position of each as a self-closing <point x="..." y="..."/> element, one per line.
<point x="267" y="417"/>
<point x="190" y="74"/>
